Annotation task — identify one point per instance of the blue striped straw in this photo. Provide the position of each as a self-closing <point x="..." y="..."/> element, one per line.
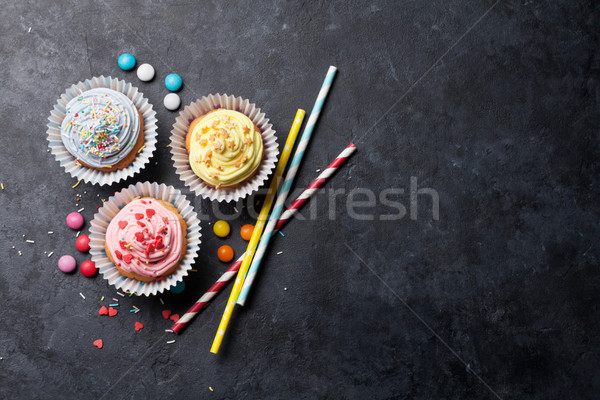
<point x="287" y="184"/>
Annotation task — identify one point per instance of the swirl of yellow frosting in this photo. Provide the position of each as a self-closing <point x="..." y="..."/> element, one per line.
<point x="225" y="148"/>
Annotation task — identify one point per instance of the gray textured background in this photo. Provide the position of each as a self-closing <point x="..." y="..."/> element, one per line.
<point x="493" y="105"/>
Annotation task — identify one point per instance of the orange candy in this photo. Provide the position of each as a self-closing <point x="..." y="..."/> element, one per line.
<point x="225" y="253"/>
<point x="246" y="231"/>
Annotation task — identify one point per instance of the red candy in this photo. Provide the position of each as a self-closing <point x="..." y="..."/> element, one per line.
<point x="122" y="224"/>
<point x="139" y="216"/>
<point x="112" y="312"/>
<point x="138" y="326"/>
<point x="119" y="254"/>
<point x="127" y="258"/>
<point x="166" y="314"/>
<point x="83" y="243"/>
<point x="88" y="268"/>
<point x="175" y="317"/>
<point x="103" y="310"/>
<point x="150" y="212"/>
<point x="98" y="343"/>
<point x="139" y="236"/>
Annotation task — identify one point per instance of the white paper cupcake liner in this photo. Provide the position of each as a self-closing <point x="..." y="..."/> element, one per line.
<point x="180" y="155"/>
<point x="111" y="208"/>
<point x="68" y="161"/>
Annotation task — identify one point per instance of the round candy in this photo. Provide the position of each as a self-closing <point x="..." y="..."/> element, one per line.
<point x="126" y="62"/>
<point x="221" y="228"/>
<point x="83" y="243"/>
<point x="145" y="72"/>
<point x="178" y="288"/>
<point x="246" y="231"/>
<point x="172" y="101"/>
<point x="225" y="253"/>
<point x="75" y="220"/>
<point x="173" y="82"/>
<point x="67" y="264"/>
<point x="88" y="268"/>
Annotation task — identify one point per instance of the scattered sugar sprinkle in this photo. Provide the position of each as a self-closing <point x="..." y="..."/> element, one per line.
<point x="170" y="341"/>
<point x="80" y="210"/>
<point x="20" y="253"/>
<point x="135" y="307"/>
<point x="82" y="296"/>
<point x="132" y="310"/>
<point x="281" y="233"/>
<point x="193" y="270"/>
<point x="102" y="299"/>
<point x="114" y="305"/>
<point x="168" y="330"/>
<point x="117" y="300"/>
<point x="284" y="288"/>
<point x="50" y="254"/>
<point x="78" y="232"/>
<point x="161" y="301"/>
<point x="75" y="185"/>
<point x="23" y="235"/>
<point x="210" y="388"/>
<point x="279" y="252"/>
<point x="236" y="210"/>
<point x="2" y="186"/>
<point x="319" y="170"/>
<point x="29" y="30"/>
<point x="30" y="241"/>
<point x="50" y="232"/>
<point x="141" y="148"/>
<point x="137" y="311"/>
<point x="120" y="294"/>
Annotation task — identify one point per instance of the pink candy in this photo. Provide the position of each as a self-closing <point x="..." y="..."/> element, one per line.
<point x="67" y="264"/>
<point x="75" y="221"/>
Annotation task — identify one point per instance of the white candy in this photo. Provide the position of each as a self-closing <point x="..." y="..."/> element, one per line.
<point x="172" y="101"/>
<point x="145" y="72"/>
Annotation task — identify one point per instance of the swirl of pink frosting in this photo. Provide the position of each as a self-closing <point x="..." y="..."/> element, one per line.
<point x="145" y="238"/>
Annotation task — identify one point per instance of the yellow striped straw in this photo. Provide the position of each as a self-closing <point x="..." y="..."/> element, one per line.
<point x="258" y="229"/>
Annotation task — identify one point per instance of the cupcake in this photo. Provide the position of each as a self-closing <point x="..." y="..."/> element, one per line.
<point x="225" y="148"/>
<point x="146" y="239"/>
<point x="102" y="129"/>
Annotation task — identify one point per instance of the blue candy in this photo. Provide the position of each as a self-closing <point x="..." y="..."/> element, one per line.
<point x="173" y="82"/>
<point x="178" y="288"/>
<point x="126" y="61"/>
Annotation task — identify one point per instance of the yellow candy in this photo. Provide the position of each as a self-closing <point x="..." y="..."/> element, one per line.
<point x="221" y="228"/>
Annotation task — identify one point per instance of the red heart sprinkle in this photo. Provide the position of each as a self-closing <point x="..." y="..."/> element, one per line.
<point x="138" y="326"/>
<point x="166" y="314"/>
<point x="122" y="224"/>
<point x="123" y="244"/>
<point x="98" y="343"/>
<point x="103" y="310"/>
<point x="159" y="243"/>
<point x="140" y="223"/>
<point x="150" y="212"/>
<point x="112" y="312"/>
<point x="175" y="317"/>
<point x="119" y="254"/>
<point x="139" y="215"/>
<point x="139" y="236"/>
<point x="127" y="258"/>
<point x="143" y="201"/>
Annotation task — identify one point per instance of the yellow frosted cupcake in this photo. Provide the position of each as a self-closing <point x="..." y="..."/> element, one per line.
<point x="225" y="148"/>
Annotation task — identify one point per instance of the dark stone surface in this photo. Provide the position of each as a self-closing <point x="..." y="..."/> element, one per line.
<point x="492" y="105"/>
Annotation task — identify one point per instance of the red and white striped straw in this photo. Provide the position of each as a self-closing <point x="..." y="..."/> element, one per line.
<point x="208" y="296"/>
<point x="287" y="214"/>
<point x="317" y="183"/>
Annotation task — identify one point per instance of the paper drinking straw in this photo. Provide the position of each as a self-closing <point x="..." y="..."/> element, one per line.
<point x="208" y="296"/>
<point x="287" y="184"/>
<point x="258" y="228"/>
<point x="312" y="188"/>
<point x="285" y="216"/>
